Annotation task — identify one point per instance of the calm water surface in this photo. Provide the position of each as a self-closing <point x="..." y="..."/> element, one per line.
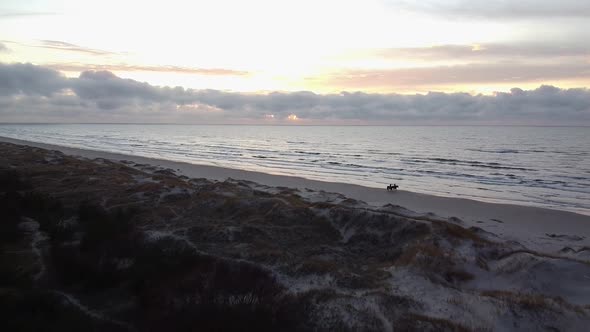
<point x="538" y="166"/>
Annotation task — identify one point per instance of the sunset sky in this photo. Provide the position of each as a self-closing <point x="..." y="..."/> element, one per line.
<point x="250" y="49"/>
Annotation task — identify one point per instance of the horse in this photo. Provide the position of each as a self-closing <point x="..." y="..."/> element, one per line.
<point x="394" y="187"/>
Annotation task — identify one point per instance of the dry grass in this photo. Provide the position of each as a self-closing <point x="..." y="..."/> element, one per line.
<point x="417" y="322"/>
<point x="318" y="266"/>
<point x="322" y="205"/>
<point x="481" y="262"/>
<point x="460" y="275"/>
<point x="455" y="300"/>
<point x="295" y="200"/>
<point x="463" y="233"/>
<point x="412" y="254"/>
<point x="434" y="261"/>
<point x="539" y="254"/>
<point x="529" y="301"/>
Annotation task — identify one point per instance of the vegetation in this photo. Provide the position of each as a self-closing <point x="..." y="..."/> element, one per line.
<point x="416" y="322"/>
<point x="169" y="285"/>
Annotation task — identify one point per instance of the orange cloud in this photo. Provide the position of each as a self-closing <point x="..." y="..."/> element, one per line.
<point x="400" y="79"/>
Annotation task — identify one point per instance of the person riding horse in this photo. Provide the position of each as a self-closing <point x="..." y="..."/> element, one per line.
<point x="392" y="187"/>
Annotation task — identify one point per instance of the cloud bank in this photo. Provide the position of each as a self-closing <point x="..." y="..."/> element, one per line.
<point x="30" y="93"/>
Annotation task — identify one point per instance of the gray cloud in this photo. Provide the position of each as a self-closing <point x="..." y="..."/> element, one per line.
<point x="31" y="93"/>
<point x="502" y="9"/>
<point x="97" y="85"/>
<point x="545" y="102"/>
<point x="3" y="48"/>
<point x="28" y="79"/>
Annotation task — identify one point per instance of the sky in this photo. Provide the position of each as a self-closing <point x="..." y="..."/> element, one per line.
<point x="299" y="62"/>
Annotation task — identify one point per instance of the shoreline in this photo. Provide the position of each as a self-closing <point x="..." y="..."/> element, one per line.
<point x="515" y="176"/>
<point x="521" y="223"/>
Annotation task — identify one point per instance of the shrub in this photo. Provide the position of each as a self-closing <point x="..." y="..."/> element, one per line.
<point x="11" y="215"/>
<point x="102" y="227"/>
<point x="39" y="310"/>
<point x="10" y="180"/>
<point x="44" y="209"/>
<point x="107" y="237"/>
<point x="199" y="292"/>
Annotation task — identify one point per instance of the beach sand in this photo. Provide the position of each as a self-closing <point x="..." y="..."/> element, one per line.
<point x="539" y="229"/>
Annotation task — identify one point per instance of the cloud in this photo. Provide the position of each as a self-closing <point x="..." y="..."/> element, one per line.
<point x="63" y="46"/>
<point x="78" y="67"/>
<point x="28" y="79"/>
<point x="485" y="51"/>
<point x="459" y="74"/>
<point x="501" y="9"/>
<point x="4" y="48"/>
<point x="31" y="93"/>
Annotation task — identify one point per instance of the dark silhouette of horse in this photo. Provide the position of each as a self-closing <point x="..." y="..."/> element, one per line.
<point x="390" y="187"/>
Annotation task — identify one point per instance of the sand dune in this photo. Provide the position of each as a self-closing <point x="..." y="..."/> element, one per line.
<point x="117" y="242"/>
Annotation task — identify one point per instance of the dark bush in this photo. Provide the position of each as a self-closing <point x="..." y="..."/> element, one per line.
<point x="10" y="180"/>
<point x="104" y="228"/>
<point x="44" y="209"/>
<point x="107" y="238"/>
<point x="38" y="310"/>
<point x="10" y="205"/>
<point x="180" y="290"/>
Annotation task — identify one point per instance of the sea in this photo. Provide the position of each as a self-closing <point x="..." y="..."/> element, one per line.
<point x="534" y="166"/>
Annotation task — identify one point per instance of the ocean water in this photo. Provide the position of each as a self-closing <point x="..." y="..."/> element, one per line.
<point x="536" y="166"/>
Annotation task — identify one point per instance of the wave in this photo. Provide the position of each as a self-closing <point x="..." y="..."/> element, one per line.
<point x="496" y="151"/>
<point x="458" y="162"/>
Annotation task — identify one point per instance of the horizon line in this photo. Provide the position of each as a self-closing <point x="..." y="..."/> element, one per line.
<point x="289" y="125"/>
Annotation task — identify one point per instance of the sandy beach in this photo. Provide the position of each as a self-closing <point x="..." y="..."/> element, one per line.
<point x="539" y="229"/>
